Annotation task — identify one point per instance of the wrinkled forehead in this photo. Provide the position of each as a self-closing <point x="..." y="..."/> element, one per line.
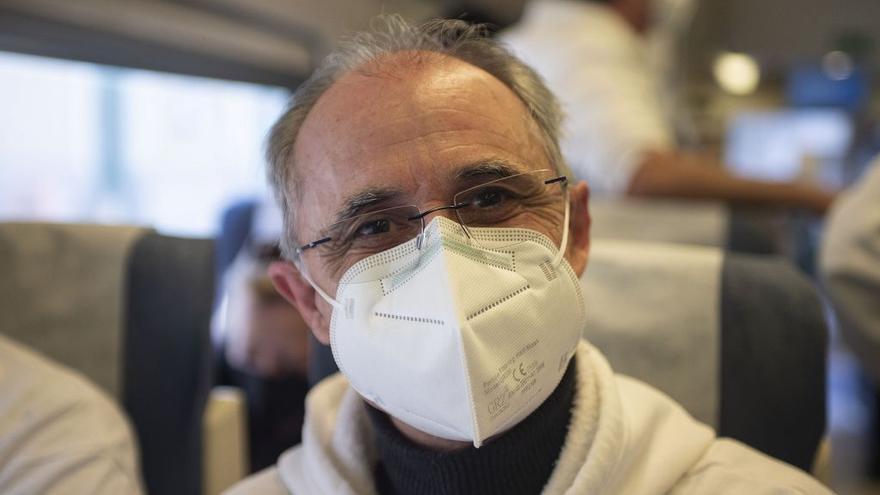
<point x="409" y="123"/>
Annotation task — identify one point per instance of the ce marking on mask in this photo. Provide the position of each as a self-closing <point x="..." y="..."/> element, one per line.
<point x="517" y="376"/>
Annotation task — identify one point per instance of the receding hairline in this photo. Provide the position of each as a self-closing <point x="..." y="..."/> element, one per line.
<point x="390" y="66"/>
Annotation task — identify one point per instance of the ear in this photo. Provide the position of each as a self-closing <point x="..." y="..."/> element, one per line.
<point x="293" y="287"/>
<point x="579" y="228"/>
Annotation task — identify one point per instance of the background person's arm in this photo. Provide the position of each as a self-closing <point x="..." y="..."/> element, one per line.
<point x="692" y="175"/>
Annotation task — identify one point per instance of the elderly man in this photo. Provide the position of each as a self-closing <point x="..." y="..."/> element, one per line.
<point x="435" y="243"/>
<point x="621" y="133"/>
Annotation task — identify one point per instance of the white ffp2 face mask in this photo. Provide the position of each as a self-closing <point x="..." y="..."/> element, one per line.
<point x="462" y="338"/>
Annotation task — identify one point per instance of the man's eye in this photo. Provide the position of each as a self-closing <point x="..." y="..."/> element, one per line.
<point x="373" y="227"/>
<point x="489" y="198"/>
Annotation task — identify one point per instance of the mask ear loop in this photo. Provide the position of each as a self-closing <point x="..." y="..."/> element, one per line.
<point x="563" y="246"/>
<point x="420" y="239"/>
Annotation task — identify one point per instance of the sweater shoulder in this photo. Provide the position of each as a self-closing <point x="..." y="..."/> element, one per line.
<point x="265" y="482"/>
<point x="729" y="466"/>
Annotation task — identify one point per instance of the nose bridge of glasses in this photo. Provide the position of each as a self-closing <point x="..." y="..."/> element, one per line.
<point x="447" y="211"/>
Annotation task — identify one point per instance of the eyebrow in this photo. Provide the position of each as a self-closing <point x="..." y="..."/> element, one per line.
<point x="368" y="199"/>
<point x="364" y="200"/>
<point x="487" y="169"/>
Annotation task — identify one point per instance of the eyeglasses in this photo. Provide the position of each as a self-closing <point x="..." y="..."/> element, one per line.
<point x="533" y="200"/>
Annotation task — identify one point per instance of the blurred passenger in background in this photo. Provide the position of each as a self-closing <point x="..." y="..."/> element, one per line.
<point x="262" y="341"/>
<point x="609" y="61"/>
<point x="58" y="432"/>
<point x="850" y="267"/>
<point x="265" y="336"/>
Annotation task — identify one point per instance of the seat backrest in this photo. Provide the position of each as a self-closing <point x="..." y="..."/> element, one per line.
<point x="652" y="309"/>
<point x="699" y="223"/>
<point x="62" y="294"/>
<point x="738" y="340"/>
<point x="168" y="368"/>
<point x="130" y="309"/>
<point x="774" y="345"/>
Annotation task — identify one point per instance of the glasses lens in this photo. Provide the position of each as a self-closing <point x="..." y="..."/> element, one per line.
<point x="533" y="201"/>
<point x="358" y="237"/>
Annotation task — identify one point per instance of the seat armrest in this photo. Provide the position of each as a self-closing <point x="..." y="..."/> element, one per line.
<point x="225" y="440"/>
<point x="822" y="464"/>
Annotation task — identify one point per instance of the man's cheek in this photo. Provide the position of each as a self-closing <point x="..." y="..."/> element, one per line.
<point x="326" y="311"/>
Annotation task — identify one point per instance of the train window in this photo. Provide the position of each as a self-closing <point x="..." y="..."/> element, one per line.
<point x="90" y="143"/>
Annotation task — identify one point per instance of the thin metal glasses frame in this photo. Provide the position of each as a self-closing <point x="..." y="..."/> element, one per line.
<point x="422" y="214"/>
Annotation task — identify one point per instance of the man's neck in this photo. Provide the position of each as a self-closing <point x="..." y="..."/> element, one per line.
<point x="516" y="462"/>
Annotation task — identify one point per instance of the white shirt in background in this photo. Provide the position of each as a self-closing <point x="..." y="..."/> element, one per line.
<point x="598" y="67"/>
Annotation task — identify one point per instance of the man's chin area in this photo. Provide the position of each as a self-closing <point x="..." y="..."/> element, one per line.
<point x="419" y="437"/>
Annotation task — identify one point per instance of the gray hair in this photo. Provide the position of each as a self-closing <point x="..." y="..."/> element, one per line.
<point x="392" y="34"/>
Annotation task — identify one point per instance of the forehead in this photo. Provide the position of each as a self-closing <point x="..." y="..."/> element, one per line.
<point x="408" y="122"/>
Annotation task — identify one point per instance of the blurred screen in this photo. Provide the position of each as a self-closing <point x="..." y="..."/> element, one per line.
<point x="89" y="143"/>
<point x="787" y="145"/>
<point x="812" y="86"/>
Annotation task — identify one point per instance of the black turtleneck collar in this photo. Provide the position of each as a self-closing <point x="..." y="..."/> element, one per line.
<point x="519" y="461"/>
